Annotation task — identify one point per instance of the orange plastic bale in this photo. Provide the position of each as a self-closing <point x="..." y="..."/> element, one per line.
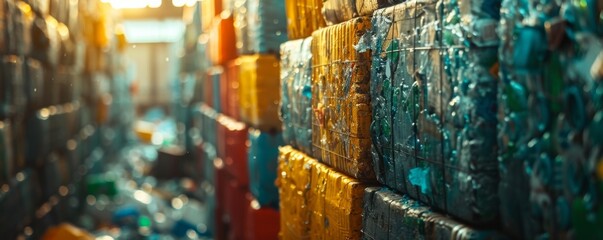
<point x="222" y="40"/>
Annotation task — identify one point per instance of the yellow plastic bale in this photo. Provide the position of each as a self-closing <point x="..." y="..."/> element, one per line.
<point x="303" y="18"/>
<point x="341" y="99"/>
<point x="316" y="201"/>
<point x="293" y="179"/>
<point x="66" y="232"/>
<point x="336" y="202"/>
<point x="259" y="91"/>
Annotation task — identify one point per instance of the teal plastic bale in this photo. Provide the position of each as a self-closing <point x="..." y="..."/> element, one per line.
<point x="209" y="125"/>
<point x="213" y="100"/>
<point x="388" y="215"/>
<point x="434" y="104"/>
<point x="296" y="93"/>
<point x="263" y="162"/>
<point x="261" y="25"/>
<point x="551" y="111"/>
<point x="6" y="152"/>
<point x="209" y="155"/>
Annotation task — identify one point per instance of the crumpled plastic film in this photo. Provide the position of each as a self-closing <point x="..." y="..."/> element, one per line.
<point x="259" y="94"/>
<point x="262" y="161"/>
<point x="337" y="11"/>
<point x="303" y="17"/>
<point x="341" y="100"/>
<point x="293" y="181"/>
<point x="261" y="25"/>
<point x="388" y="215"/>
<point x="433" y="96"/>
<point x="550" y="124"/>
<point x="296" y="93"/>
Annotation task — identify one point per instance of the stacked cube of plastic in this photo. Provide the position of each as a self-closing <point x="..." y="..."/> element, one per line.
<point x="57" y="112"/>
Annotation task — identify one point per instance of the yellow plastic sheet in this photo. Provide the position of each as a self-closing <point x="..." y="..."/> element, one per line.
<point x="303" y="18"/>
<point x="259" y="91"/>
<point x="317" y="202"/>
<point x="341" y="100"/>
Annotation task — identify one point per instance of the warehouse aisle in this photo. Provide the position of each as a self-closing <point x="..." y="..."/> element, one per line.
<point x="301" y="119"/>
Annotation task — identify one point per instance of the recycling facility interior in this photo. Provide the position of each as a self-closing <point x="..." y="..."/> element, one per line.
<point x="301" y="119"/>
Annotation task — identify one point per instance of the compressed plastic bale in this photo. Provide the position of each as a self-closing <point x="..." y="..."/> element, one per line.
<point x="45" y="40"/>
<point x="335" y="203"/>
<point x="259" y="94"/>
<point x="233" y="148"/>
<point x="293" y="179"/>
<point x="387" y="215"/>
<point x="434" y="104"/>
<point x="267" y="25"/>
<point x="221" y="187"/>
<point x="210" y="206"/>
<point x="23" y="19"/>
<point x="241" y="24"/>
<point x="39" y="6"/>
<point x="228" y="5"/>
<point x="6" y="152"/>
<point x="67" y="232"/>
<point x="237" y="201"/>
<point x="545" y="93"/>
<point x="337" y="11"/>
<point x="303" y="17"/>
<point x="208" y="123"/>
<point x="341" y="100"/>
<point x="296" y="93"/>
<point x="262" y="223"/>
<point x="12" y="89"/>
<point x="37" y="145"/>
<point x="262" y="160"/>
<point x="34" y="80"/>
<point x="222" y="42"/>
<point x="229" y="90"/>
<point x="15" y="34"/>
<point x="260" y="25"/>
<point x="210" y="156"/>
<point x="210" y="9"/>
<point x="212" y="88"/>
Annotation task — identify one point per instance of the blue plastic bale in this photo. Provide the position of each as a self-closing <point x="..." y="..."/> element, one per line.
<point x="261" y="25"/>
<point x="263" y="160"/>
<point x="434" y="105"/>
<point x="550" y="97"/>
<point x="387" y="215"/>
<point x="296" y="93"/>
<point x="209" y="125"/>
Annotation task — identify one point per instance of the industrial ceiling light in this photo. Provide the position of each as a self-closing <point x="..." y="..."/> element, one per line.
<point x="154" y="3"/>
<point x="179" y="3"/>
<point x="120" y="4"/>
